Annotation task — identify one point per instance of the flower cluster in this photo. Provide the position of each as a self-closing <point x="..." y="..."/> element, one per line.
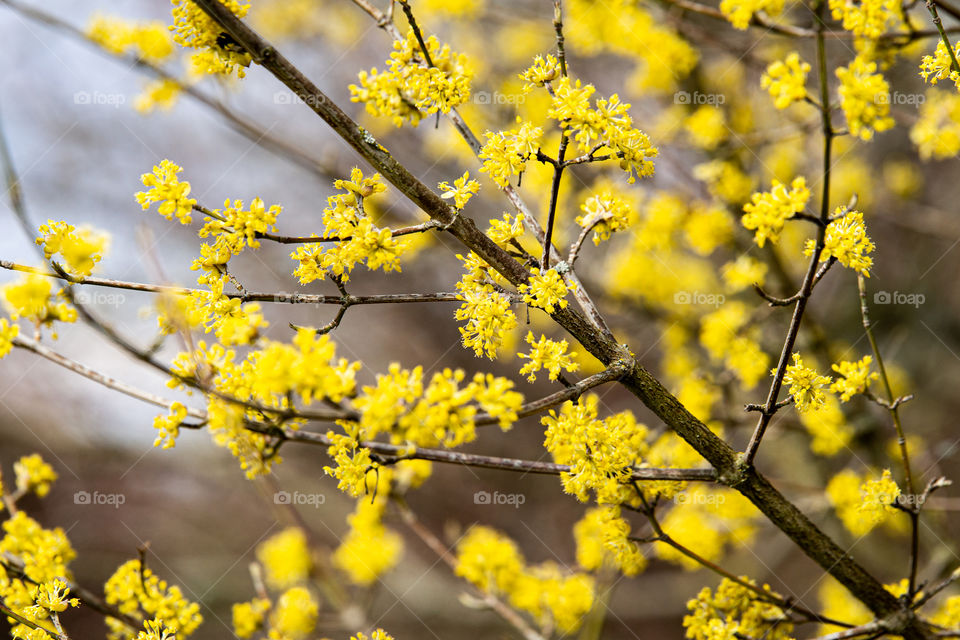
<point x="605" y="213"/>
<point x="81" y="248"/>
<point x="32" y="298"/>
<point x="168" y="426"/>
<point x="547" y="354"/>
<point x="805" y="384"/>
<point x="285" y="558"/>
<point x="545" y="291"/>
<point x="493" y="563"/>
<point x="354" y="237"/>
<point x="600" y="452"/>
<point x="505" y="153"/>
<point x="786" y="80"/>
<point x="8" y="332"/>
<point x="855" y="377"/>
<point x="937" y="131"/>
<point x="164" y="187"/>
<point x="215" y="51"/>
<point x="33" y="474"/>
<point x="603" y="541"/>
<point x="867" y="18"/>
<point x="829" y="431"/>
<point x="150" y="41"/>
<point x="409" y="89"/>
<point x="847" y="241"/>
<point x="768" y="211"/>
<point x="864" y="502"/>
<point x="606" y="126"/>
<point x="735" y="611"/>
<point x="741" y="12"/>
<point x="234" y="227"/>
<point x="864" y="98"/>
<point x="462" y="190"/>
<point x="138" y="592"/>
<point x="939" y="66"/>
<point x="369" y="549"/>
<point x="486" y="307"/>
<point x="727" y="336"/>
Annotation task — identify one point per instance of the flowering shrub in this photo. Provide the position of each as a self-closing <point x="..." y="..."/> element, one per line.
<point x="697" y="214"/>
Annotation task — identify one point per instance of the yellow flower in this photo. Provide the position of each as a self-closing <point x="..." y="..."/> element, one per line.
<point x="867" y="18"/>
<point x="248" y="616"/>
<point x="193" y="28"/>
<point x="164" y="187"/>
<point x="542" y="71"/>
<point x="81" y="248"/>
<point x="369" y="549"/>
<point x="740" y="12"/>
<point x="940" y="66"/>
<point x="854" y="377"/>
<point x="768" y="211"/>
<point x="828" y="428"/>
<point x="8" y="332"/>
<point x="148" y="40"/>
<point x="707" y="127"/>
<point x="937" y="131"/>
<point x="734" y="611"/>
<point x="605" y="213"/>
<point x="169" y="425"/>
<point x="33" y="474"/>
<point x="545" y="290"/>
<point x="134" y="589"/>
<point x="786" y="80"/>
<point x="547" y="354"/>
<point x="31" y="298"/>
<point x="52" y="596"/>
<point x="806" y="385"/>
<point x="159" y="94"/>
<point x="864" y="98"/>
<point x="407" y="90"/>
<point x="847" y="241"/>
<point x="488" y="560"/>
<point x="505" y="153"/>
<point x="295" y="615"/>
<point x="285" y="558"/>
<point x="462" y="190"/>
<point x="378" y="634"/>
<point x="602" y="537"/>
<point x="862" y="503"/>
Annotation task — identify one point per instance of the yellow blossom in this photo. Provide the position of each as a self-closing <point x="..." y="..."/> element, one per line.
<point x="136" y="590"/>
<point x="295" y="614"/>
<point x="285" y="557"/>
<point x="830" y="433"/>
<point x="735" y="611"/>
<point x="369" y="549"/>
<point x="215" y="52"/>
<point x="864" y="98"/>
<point x="169" y="425"/>
<point x="31" y="298"/>
<point x="939" y="66"/>
<point x="248" y="616"/>
<point x="786" y="80"/>
<point x="936" y="132"/>
<point x="547" y="354"/>
<point x="867" y="18"/>
<point x="768" y="211"/>
<point x="545" y="290"/>
<point x="505" y="153"/>
<point x="462" y="190"/>
<point x="33" y="474"/>
<point x="847" y="241"/>
<point x="805" y="384"/>
<point x="80" y="248"/>
<point x="164" y="187"/>
<point x="8" y="332"/>
<point x="408" y="89"/>
<point x="854" y="377"/>
<point x="159" y="94"/>
<point x="604" y="213"/>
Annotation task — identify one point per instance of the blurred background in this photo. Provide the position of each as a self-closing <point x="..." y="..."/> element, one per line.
<point x="80" y="147"/>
